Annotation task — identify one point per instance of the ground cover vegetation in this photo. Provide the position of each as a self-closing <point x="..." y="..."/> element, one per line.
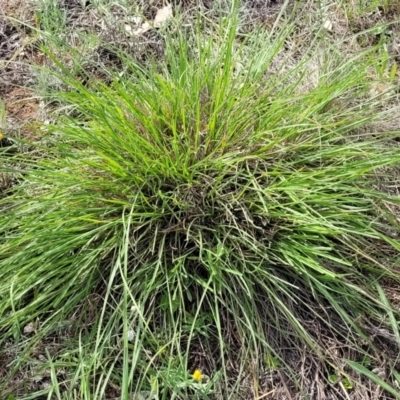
<point x="211" y="209"/>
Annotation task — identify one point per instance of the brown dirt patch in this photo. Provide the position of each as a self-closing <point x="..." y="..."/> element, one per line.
<point x="17" y="53"/>
<point x="23" y="105"/>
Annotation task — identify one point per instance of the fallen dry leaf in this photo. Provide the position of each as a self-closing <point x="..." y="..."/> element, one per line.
<point x="163" y="15"/>
<point x="144" y="28"/>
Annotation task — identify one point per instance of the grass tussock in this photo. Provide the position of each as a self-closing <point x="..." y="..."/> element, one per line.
<point x="212" y="200"/>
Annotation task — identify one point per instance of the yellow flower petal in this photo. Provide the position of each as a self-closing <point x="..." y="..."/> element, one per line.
<point x="197" y="375"/>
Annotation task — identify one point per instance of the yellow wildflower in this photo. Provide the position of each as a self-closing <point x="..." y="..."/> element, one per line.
<point x="197" y="375"/>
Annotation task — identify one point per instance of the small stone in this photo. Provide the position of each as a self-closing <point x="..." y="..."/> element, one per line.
<point x="29" y="328"/>
<point x="131" y="335"/>
<point x="328" y="25"/>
